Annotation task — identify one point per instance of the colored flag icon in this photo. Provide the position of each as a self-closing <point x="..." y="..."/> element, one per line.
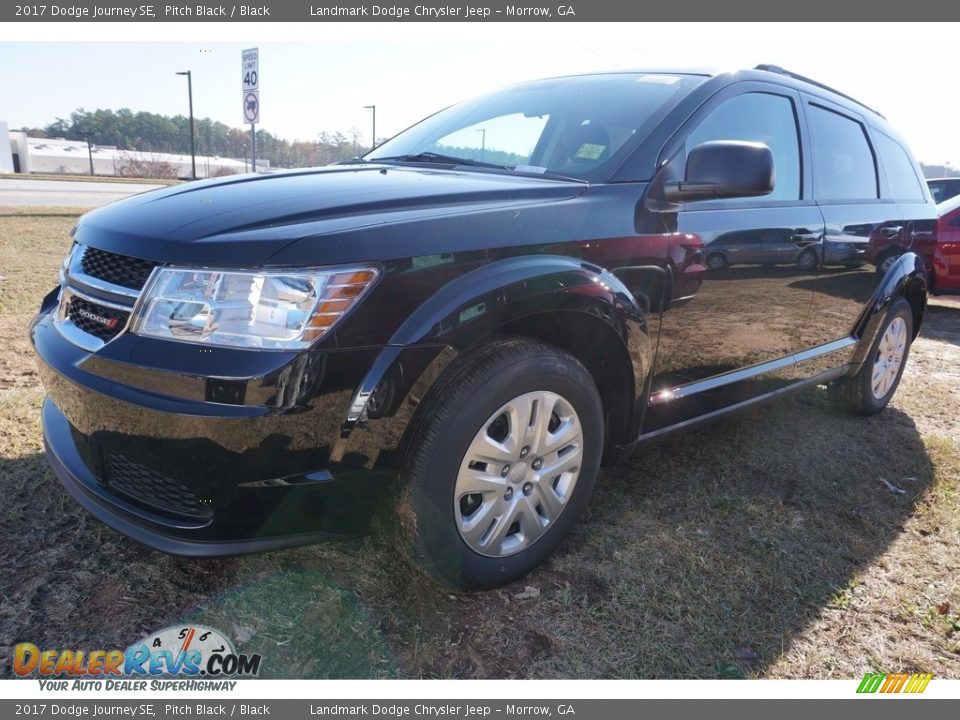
<point x="888" y="683"/>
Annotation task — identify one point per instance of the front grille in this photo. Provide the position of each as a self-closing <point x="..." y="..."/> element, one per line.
<point x="150" y="488"/>
<point x="130" y="272"/>
<point x="98" y="320"/>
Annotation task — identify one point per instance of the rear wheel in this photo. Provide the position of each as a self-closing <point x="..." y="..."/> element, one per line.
<point x="499" y="464"/>
<point x="870" y="390"/>
<point x="886" y="261"/>
<point x="808" y="260"/>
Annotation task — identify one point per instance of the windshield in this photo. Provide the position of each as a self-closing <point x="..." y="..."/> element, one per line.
<point x="571" y="126"/>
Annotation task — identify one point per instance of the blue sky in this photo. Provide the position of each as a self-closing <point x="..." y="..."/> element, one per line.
<point x="318" y="76"/>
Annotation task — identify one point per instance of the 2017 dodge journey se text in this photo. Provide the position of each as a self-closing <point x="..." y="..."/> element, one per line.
<point x="455" y="330"/>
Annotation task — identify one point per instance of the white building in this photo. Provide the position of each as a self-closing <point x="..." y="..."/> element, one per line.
<point x="6" y="150"/>
<point x="22" y="154"/>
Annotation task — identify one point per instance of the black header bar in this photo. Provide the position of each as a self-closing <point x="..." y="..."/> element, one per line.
<point x="325" y="11"/>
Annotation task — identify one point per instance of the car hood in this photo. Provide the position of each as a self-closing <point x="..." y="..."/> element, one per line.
<point x="243" y="221"/>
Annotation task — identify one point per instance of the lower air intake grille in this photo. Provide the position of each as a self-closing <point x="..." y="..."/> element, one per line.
<point x="150" y="488"/>
<point x="97" y="320"/>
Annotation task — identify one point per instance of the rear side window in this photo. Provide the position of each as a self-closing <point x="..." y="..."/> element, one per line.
<point x="901" y="177"/>
<point x="943" y="190"/>
<point x="843" y="164"/>
<point x="764" y="118"/>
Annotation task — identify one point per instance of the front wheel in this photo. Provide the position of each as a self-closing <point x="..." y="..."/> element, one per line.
<point x="887" y="261"/>
<point x="871" y="389"/>
<point x="499" y="463"/>
<point x="717" y="262"/>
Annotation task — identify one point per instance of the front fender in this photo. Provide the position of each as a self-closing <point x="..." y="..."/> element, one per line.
<point x="477" y="302"/>
<point x="477" y="305"/>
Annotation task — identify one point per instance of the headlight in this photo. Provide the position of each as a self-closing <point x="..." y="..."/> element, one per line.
<point x="283" y="309"/>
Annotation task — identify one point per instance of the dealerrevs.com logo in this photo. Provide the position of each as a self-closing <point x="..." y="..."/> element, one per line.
<point x="202" y="656"/>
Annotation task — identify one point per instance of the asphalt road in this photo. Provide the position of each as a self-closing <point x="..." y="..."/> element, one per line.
<point x="68" y="193"/>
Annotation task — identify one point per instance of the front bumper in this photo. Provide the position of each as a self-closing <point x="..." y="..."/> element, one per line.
<point x="192" y="477"/>
<point x="153" y="530"/>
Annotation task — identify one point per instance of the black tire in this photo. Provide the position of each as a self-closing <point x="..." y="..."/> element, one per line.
<point x="455" y="410"/>
<point x="885" y="261"/>
<point x="808" y="260"/>
<point x="856" y="394"/>
<point x="717" y="261"/>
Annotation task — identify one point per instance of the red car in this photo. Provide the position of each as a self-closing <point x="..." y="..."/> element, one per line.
<point x="887" y="242"/>
<point x="945" y="279"/>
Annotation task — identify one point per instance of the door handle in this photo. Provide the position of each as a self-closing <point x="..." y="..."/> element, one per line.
<point x="803" y="237"/>
<point x="892" y="231"/>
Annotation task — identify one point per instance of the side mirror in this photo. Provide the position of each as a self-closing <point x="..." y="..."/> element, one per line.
<point x="724" y="169"/>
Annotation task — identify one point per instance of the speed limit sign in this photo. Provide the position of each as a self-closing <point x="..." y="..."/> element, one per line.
<point x="250" y="62"/>
<point x="250" y="65"/>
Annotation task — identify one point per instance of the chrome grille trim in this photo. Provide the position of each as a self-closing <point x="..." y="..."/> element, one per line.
<point x="75" y="283"/>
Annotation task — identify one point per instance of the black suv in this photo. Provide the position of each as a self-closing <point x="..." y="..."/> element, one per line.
<point x="452" y="332"/>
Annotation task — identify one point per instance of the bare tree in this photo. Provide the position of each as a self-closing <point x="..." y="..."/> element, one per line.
<point x="144" y="166"/>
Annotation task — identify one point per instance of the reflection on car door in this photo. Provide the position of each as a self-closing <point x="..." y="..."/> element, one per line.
<point x="854" y="196"/>
<point x="782" y="247"/>
<point x="948" y="261"/>
<point x="735" y="339"/>
<point x="745" y="247"/>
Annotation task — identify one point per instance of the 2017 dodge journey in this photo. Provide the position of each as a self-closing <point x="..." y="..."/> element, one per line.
<point x="453" y="331"/>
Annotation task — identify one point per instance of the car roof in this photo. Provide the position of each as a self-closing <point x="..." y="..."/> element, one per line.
<point x="948" y="205"/>
<point x="777" y="70"/>
<point x="762" y="71"/>
<point x="714" y="79"/>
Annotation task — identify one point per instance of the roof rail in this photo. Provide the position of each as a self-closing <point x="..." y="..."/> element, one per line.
<point x="780" y="71"/>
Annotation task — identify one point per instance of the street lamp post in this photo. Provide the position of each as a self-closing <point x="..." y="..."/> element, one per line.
<point x="193" y="149"/>
<point x="89" y="137"/>
<point x="483" y="142"/>
<point x="373" y="135"/>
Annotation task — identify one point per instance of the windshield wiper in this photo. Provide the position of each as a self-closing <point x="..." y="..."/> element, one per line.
<point x="432" y="157"/>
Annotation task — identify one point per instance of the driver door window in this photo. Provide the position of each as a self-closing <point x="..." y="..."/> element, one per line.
<point x="764" y="118"/>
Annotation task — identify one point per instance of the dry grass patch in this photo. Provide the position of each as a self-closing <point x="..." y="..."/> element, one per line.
<point x="92" y="178"/>
<point x="34" y="243"/>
